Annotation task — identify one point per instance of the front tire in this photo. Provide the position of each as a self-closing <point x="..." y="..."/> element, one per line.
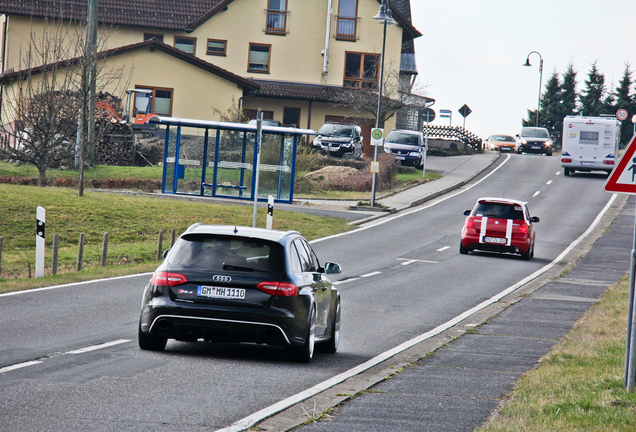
<point x="305" y="353"/>
<point x="151" y="342"/>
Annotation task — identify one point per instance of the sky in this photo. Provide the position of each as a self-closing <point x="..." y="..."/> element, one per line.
<point x="472" y="52"/>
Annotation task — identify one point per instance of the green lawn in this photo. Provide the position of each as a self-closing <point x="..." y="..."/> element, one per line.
<point x="133" y="224"/>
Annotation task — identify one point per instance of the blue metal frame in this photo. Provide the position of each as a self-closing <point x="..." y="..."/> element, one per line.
<point x="283" y="132"/>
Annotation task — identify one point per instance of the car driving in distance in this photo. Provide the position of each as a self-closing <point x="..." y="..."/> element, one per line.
<point x="499" y="225"/>
<point x="502" y="143"/>
<point x="338" y="139"/>
<point x="534" y="140"/>
<point x="406" y="146"/>
<point x="238" y="284"/>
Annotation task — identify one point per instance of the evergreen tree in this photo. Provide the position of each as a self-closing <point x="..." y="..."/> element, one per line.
<point x="592" y="98"/>
<point x="625" y="100"/>
<point x="568" y="93"/>
<point x="550" y="115"/>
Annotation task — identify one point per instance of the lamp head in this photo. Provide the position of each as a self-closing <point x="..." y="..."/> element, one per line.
<point x="382" y="15"/>
<point x="527" y="62"/>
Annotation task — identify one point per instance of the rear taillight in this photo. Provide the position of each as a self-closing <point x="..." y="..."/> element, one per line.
<point x="161" y="278"/>
<point x="523" y="229"/>
<point x="470" y="223"/>
<point x="608" y="162"/>
<point x="566" y="160"/>
<point x="281" y="289"/>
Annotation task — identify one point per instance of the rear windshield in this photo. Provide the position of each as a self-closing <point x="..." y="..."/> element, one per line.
<point x="336" y="130"/>
<point x="223" y="253"/>
<point x="499" y="211"/>
<point x="403" y="138"/>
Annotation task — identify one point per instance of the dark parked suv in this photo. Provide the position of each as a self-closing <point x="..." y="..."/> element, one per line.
<point x="338" y="139"/>
<point x="240" y="284"/>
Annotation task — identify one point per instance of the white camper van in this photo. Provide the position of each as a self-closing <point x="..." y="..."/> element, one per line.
<point x="590" y="143"/>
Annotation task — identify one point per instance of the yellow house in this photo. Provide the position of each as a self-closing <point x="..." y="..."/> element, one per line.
<point x="297" y="60"/>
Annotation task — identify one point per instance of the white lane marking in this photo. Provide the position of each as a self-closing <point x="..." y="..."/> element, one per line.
<point x="77" y="351"/>
<point x="34" y="290"/>
<point x="371" y="274"/>
<point x="442" y="249"/>
<point x="97" y="347"/>
<point x="19" y="366"/>
<point x="549" y="182"/>
<point x="406" y="213"/>
<point x="408" y="262"/>
<point x="536" y="193"/>
<point x="258" y="416"/>
<point x="558" y="173"/>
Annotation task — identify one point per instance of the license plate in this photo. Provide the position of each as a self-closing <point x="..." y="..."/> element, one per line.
<point x="587" y="163"/>
<point x="221" y="292"/>
<point x="497" y="240"/>
<point x="536" y="147"/>
<point x="400" y="157"/>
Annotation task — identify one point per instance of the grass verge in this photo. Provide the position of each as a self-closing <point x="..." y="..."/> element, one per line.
<point x="133" y="223"/>
<point x="579" y="385"/>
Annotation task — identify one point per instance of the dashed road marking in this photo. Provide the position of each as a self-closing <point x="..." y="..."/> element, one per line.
<point x="442" y="249"/>
<point x="536" y="193"/>
<point x="19" y="366"/>
<point x="370" y="274"/>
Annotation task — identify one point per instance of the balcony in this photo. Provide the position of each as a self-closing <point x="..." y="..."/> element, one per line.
<point x="346" y="28"/>
<point x="276" y="22"/>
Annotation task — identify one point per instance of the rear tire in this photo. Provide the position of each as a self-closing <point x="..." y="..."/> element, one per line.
<point x="305" y="353"/>
<point x="528" y="254"/>
<point x="566" y="172"/>
<point x="463" y="250"/>
<point x="151" y="342"/>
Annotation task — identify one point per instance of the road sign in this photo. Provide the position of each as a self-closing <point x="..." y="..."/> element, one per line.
<point x="445" y="113"/>
<point x="621" y="114"/>
<point x="623" y="178"/>
<point x="465" y="111"/>
<point x="428" y="115"/>
<point x="377" y="136"/>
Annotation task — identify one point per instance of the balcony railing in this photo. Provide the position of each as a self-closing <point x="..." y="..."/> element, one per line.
<point x="276" y="21"/>
<point x="346" y="28"/>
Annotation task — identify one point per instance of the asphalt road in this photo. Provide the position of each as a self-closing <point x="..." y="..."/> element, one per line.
<point x="69" y="358"/>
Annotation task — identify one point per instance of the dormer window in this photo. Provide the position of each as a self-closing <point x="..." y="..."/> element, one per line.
<point x="276" y="17"/>
<point x="186" y="44"/>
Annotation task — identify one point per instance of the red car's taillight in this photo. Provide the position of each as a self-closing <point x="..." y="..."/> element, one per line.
<point x="523" y="229"/>
<point x="281" y="289"/>
<point x="168" y="279"/>
<point x="470" y="223"/>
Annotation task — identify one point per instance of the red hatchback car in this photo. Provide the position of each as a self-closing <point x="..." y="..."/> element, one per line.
<point x="499" y="225"/>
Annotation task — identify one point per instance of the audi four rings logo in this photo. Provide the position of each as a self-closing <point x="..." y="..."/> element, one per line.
<point x="221" y="278"/>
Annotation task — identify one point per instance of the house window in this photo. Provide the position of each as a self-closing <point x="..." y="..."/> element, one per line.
<point x="157" y="36"/>
<point x="251" y="114"/>
<point x="217" y="47"/>
<point x="259" y="58"/>
<point x="361" y="70"/>
<point x="276" y="17"/>
<point x="157" y="101"/>
<point x="186" y="44"/>
<point x="347" y="19"/>
<point x="291" y="116"/>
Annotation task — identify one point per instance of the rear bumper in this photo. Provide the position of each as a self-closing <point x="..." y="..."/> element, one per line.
<point x="588" y="166"/>
<point x="272" y="326"/>
<point x="517" y="245"/>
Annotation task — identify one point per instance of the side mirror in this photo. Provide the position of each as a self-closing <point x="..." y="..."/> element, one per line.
<point x="535" y="219"/>
<point x="466" y="212"/>
<point x="332" y="268"/>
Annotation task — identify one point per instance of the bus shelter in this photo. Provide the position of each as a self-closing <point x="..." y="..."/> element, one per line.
<point x="218" y="159"/>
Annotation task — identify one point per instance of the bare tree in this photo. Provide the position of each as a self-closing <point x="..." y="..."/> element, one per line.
<point x="42" y="113"/>
<point x="364" y="101"/>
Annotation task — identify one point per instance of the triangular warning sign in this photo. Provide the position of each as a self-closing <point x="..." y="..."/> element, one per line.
<point x="622" y="179"/>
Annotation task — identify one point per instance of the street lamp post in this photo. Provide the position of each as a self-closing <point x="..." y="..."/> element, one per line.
<point x="540" y="79"/>
<point x="384" y="17"/>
